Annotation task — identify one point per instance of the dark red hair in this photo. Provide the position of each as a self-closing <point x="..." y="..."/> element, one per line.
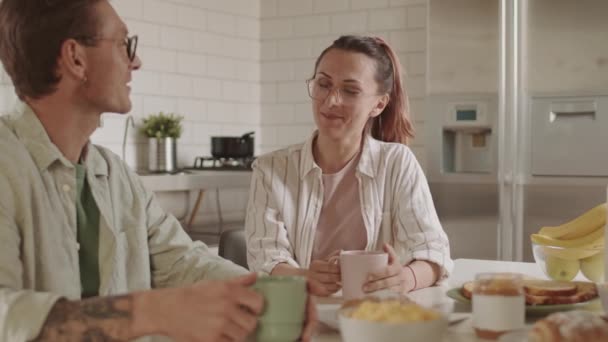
<point x="393" y="124"/>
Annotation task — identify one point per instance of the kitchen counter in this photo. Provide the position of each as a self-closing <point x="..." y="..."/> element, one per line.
<point x="195" y="180"/>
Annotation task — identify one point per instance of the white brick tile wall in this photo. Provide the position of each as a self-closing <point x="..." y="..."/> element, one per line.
<point x="206" y="88"/>
<point x="416" y="16"/>
<point x="210" y="43"/>
<point x="248" y="70"/>
<point x="400" y="3"/>
<point x="415" y="63"/>
<point x="269" y="50"/>
<point x="269" y="8"/>
<point x="408" y="41"/>
<point x="294" y="48"/>
<point x="190" y="17"/>
<point x="277" y="114"/>
<point x="177" y="38"/>
<point x="304" y="114"/>
<point x="387" y="19"/>
<point x="191" y="64"/>
<point x="155" y="104"/>
<point x="367" y="4"/>
<point x="349" y="23"/>
<point x="176" y="85"/>
<point x="293" y="7"/>
<point x="276" y="28"/>
<point x="145" y="82"/>
<point x="292" y="92"/>
<point x="156" y="59"/>
<point x="159" y="11"/>
<point x="221" y="23"/>
<point x="304" y="69"/>
<point x="277" y="71"/>
<point x="221" y="112"/>
<point x="248" y="27"/>
<point x="192" y="109"/>
<point x="310" y="26"/>
<point x="221" y="67"/>
<point x="329" y="6"/>
<point x="269" y="92"/>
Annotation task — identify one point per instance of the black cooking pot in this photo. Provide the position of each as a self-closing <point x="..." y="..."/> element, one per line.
<point x="233" y="147"/>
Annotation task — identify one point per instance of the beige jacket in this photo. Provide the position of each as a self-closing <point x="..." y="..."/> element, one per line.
<point x="140" y="245"/>
<point x="286" y="198"/>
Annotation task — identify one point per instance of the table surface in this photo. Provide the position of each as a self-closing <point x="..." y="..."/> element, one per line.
<point x="464" y="270"/>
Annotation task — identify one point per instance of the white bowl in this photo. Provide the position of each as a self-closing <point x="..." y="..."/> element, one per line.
<point x="356" y="330"/>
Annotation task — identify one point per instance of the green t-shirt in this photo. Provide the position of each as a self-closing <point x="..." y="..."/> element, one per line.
<point x="87" y="216"/>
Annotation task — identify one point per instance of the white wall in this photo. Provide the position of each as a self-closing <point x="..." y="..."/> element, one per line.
<point x="294" y="32"/>
<point x="567" y="50"/>
<point x="463" y="46"/>
<point x="201" y="60"/>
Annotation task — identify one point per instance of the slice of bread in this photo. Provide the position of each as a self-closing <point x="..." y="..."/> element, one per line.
<point x="549" y="288"/>
<point x="549" y="292"/>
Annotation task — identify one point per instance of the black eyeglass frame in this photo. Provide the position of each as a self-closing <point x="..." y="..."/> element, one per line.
<point x="130" y="43"/>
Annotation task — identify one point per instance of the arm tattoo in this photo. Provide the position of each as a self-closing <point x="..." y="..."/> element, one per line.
<point x="100" y="319"/>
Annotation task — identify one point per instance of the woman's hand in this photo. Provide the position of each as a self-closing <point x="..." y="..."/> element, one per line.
<point x="394" y="277"/>
<point x="326" y="275"/>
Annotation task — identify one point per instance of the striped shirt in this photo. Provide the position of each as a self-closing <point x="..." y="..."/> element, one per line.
<point x="286" y="198"/>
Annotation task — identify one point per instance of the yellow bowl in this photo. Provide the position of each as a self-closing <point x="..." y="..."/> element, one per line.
<point x="564" y="264"/>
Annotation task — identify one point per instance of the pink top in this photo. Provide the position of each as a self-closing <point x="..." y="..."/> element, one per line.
<point x="340" y="224"/>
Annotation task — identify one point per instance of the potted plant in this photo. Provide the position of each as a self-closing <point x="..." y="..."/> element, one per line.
<point x="162" y="131"/>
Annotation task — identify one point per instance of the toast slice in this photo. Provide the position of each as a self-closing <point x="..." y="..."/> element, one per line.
<point x="584" y="291"/>
<point x="549" y="288"/>
<point x="548" y="292"/>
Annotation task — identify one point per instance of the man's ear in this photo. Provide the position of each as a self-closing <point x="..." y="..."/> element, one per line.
<point x="380" y="105"/>
<point x="73" y="60"/>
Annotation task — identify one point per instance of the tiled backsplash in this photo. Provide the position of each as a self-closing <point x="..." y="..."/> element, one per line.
<point x="232" y="66"/>
<point x="293" y="34"/>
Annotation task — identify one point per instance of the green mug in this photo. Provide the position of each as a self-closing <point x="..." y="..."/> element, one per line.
<point x="282" y="319"/>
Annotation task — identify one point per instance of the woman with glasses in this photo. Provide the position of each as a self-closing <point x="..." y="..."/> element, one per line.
<point x="353" y="185"/>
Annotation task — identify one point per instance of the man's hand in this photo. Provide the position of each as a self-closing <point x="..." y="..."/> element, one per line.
<point x="394" y="277"/>
<point x="210" y="310"/>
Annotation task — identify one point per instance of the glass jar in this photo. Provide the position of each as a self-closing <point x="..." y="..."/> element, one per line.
<point x="499" y="304"/>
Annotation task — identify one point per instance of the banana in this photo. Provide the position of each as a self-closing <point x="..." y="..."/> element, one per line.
<point x="581" y="226"/>
<point x="581" y="242"/>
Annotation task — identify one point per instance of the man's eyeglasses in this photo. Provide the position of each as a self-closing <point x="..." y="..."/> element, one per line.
<point x="129" y="42"/>
<point x="321" y="88"/>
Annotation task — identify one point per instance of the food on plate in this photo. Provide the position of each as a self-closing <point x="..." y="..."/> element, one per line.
<point x="570" y="326"/>
<point x="391" y="311"/>
<point x="549" y="292"/>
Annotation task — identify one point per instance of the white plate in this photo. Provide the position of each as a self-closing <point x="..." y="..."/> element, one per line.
<point x="328" y="314"/>
<point x="515" y="336"/>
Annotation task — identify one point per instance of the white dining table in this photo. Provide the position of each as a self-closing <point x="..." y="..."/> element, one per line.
<point x="464" y="270"/>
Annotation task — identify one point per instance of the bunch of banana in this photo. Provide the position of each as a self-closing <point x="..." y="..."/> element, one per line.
<point x="580" y="244"/>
